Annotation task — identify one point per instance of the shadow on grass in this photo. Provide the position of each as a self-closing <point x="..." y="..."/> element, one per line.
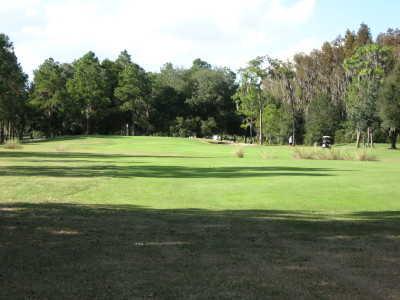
<point x="107" y="170"/>
<point x="71" y="138"/>
<point x="79" y="161"/>
<point x="84" y="155"/>
<point x="161" y="171"/>
<point x="126" y="251"/>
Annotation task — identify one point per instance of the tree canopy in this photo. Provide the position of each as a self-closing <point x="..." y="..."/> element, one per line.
<point x="346" y="89"/>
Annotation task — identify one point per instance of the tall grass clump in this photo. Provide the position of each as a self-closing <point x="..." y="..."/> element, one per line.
<point x="61" y="148"/>
<point x="364" y="155"/>
<point x="13" y="144"/>
<point x="265" y="155"/>
<point x="304" y="153"/>
<point x="239" y="152"/>
<point x="332" y="154"/>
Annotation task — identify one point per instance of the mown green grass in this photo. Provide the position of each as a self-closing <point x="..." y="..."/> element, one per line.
<point x="150" y="217"/>
<point x="178" y="173"/>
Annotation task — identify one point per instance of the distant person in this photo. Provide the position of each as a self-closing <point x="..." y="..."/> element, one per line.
<point x="291" y="140"/>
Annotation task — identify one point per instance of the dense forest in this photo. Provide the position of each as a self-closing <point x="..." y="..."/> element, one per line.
<point x="349" y="89"/>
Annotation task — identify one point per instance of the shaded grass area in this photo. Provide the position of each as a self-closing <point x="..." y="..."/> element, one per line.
<point x="159" y="171"/>
<point x="68" y="251"/>
<point x="85" y="169"/>
<point x="78" y="155"/>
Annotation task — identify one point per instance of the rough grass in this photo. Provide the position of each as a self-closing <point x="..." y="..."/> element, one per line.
<point x="364" y="155"/>
<point x="333" y="154"/>
<point x="124" y="252"/>
<point x="160" y="218"/>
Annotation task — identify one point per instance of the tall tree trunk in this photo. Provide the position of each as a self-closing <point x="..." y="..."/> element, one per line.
<point x="291" y="99"/>
<point x="393" y="138"/>
<point x="1" y="132"/>
<point x="261" y="133"/>
<point x="87" y="116"/>
<point x="20" y="130"/>
<point x="87" y="124"/>
<point x="363" y="139"/>
<point x="358" y="138"/>
<point x="9" y="131"/>
<point x="51" y="129"/>
<point x="293" y="125"/>
<point x="371" y="138"/>
<point x="251" y="132"/>
<point x="133" y="123"/>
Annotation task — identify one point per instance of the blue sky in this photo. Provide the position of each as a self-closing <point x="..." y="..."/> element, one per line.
<point x="223" y="32"/>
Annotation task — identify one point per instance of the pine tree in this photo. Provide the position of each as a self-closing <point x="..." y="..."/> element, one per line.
<point x="132" y="92"/>
<point x="49" y="95"/>
<point x="12" y="92"/>
<point x="88" y="87"/>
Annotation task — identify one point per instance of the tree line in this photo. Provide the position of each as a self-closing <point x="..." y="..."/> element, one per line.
<point x="349" y="89"/>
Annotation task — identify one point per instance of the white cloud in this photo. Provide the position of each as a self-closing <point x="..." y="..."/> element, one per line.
<point x="18" y="6"/>
<point x="225" y="32"/>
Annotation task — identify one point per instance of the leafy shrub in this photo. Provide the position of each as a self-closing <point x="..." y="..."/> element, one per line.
<point x="343" y="136"/>
<point x="208" y="127"/>
<point x="36" y="134"/>
<point x="185" y="127"/>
